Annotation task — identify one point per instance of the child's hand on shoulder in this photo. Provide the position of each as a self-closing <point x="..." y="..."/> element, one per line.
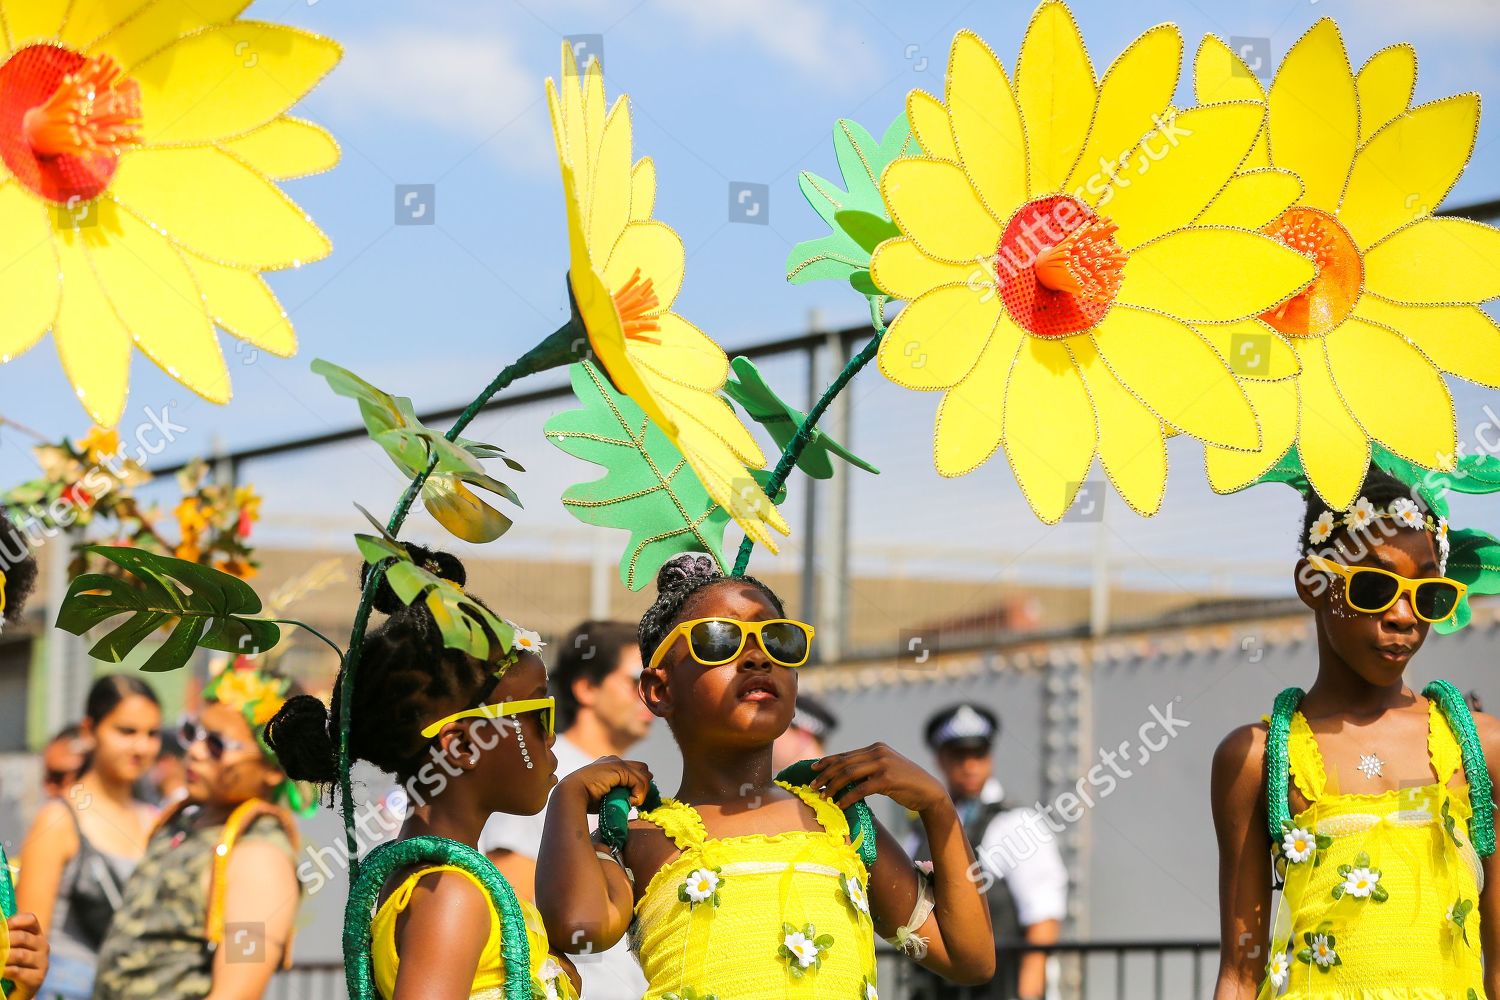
<point x="594" y="781"/>
<point x="877" y="769"/>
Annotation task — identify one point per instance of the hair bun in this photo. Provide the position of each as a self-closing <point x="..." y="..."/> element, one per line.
<point x="298" y="732"/>
<point x="681" y="568"/>
<point x="443" y="565"/>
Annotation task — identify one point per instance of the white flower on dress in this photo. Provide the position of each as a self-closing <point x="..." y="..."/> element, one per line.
<point x="1361" y="515"/>
<point x="526" y="641"/>
<point x="1298" y="845"/>
<point x="1405" y="510"/>
<point x="1278" y="969"/>
<point x="1361" y="882"/>
<point x="870" y="992"/>
<point x="1322" y="951"/>
<point x="854" y="893"/>
<point x="1321" y="528"/>
<point x="701" y="885"/>
<point x="548" y="974"/>
<point x="802" y="948"/>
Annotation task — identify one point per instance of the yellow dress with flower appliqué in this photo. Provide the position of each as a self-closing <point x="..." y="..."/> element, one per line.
<point x="547" y="977"/>
<point x="1384" y="904"/>
<point x="756" y="916"/>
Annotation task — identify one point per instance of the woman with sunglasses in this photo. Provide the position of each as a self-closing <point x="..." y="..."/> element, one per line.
<point x="465" y="738"/>
<point x="84" y="844"/>
<point x="209" y="911"/>
<point x="742" y="886"/>
<point x="1366" y="803"/>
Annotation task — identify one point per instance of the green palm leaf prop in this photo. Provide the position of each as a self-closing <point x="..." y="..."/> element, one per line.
<point x="748" y="388"/>
<point x="857" y="216"/>
<point x="203" y="607"/>
<point x="393" y="424"/>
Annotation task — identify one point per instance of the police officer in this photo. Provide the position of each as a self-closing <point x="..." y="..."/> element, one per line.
<point x="1018" y="858"/>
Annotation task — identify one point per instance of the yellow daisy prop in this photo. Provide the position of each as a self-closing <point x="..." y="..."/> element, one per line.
<point x="625" y="270"/>
<point x="140" y="142"/>
<point x="1395" y="300"/>
<point x="1065" y="293"/>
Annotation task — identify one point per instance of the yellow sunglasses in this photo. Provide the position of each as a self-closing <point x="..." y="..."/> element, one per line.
<point x="1372" y="590"/>
<point x="547" y="706"/>
<point x="714" y="642"/>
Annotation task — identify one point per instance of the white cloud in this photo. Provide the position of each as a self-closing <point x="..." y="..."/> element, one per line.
<point x="476" y="87"/>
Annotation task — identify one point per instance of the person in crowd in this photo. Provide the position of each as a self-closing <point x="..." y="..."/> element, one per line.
<point x="807" y="737"/>
<point x="210" y="908"/>
<point x="84" y="843"/>
<point x="741" y="886"/>
<point x="599" y="714"/>
<point x="1026" y="884"/>
<point x="62" y="760"/>
<point x="422" y="708"/>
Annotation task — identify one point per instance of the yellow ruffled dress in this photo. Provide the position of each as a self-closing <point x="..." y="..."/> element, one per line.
<point x="547" y="977"/>
<point x="756" y="916"/>
<point x="1381" y="894"/>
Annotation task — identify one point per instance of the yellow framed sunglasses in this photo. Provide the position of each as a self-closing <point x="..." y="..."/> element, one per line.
<point x="713" y="642"/>
<point x="546" y="706"/>
<point x="1372" y="590"/>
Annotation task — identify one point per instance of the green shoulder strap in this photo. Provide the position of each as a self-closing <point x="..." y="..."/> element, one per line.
<point x="359" y="967"/>
<point x="7" y="906"/>
<point x="1456" y="710"/>
<point x="1278" y="764"/>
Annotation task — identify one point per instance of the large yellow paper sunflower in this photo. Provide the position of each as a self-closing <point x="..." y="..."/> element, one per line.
<point x="1395" y="301"/>
<point x="139" y="145"/>
<point x="1065" y="292"/>
<point x="625" y="270"/>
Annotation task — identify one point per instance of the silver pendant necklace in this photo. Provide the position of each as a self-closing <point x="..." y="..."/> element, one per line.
<point x="1370" y="765"/>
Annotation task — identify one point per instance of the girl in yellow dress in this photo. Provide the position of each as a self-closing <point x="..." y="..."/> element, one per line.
<point x="741" y="887"/>
<point x="465" y="738"/>
<point x="1367" y="803"/>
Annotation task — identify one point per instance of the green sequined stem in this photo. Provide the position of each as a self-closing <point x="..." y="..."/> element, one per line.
<point x="359" y="966"/>
<point x="7" y="906"/>
<point x="1461" y="720"/>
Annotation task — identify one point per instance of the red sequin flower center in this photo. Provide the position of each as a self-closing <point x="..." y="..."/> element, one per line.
<point x="1058" y="267"/>
<point x="1335" y="290"/>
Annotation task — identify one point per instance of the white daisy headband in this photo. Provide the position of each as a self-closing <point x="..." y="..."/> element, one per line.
<point x="1363" y="515"/>
<point x="523" y="640"/>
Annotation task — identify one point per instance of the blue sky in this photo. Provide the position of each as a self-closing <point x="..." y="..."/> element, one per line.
<point x="449" y="93"/>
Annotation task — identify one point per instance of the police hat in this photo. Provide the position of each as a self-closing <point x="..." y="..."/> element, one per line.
<point x="967" y="726"/>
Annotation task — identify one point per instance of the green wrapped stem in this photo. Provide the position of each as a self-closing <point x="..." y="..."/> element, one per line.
<point x="795" y="446"/>
<point x="565" y="345"/>
<point x="364" y="893"/>
<point x="7" y="906"/>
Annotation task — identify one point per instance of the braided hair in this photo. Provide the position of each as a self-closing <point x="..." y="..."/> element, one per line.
<point x="407" y="678"/>
<point x="19" y="566"/>
<point x="681" y="578"/>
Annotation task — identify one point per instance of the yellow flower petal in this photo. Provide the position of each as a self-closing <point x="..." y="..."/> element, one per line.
<point x="1314" y="123"/>
<point x="593" y="109"/>
<point x="694" y="409"/>
<point x="241" y="304"/>
<point x="1049" y="427"/>
<point x="901" y="270"/>
<point x="685" y="355"/>
<point x="655" y="248"/>
<point x="1055" y="91"/>
<point x="642" y="189"/>
<point x="1253" y="199"/>
<point x="1275" y="403"/>
<point x="213" y="205"/>
<point x="29" y="283"/>
<point x="86" y="22"/>
<point x="1220" y="74"/>
<point x="929" y="123"/>
<point x="1176" y="172"/>
<point x="1385" y="85"/>
<point x="1135" y="92"/>
<point x="1406" y="170"/>
<point x="935" y="341"/>
<point x="286" y="148"/>
<point x="1436" y="262"/>
<point x="1335" y="451"/>
<point x="156" y="298"/>
<point x="1460" y="340"/>
<point x="226" y="80"/>
<point x="92" y="342"/>
<point x="1186" y="273"/>
<point x="968" y="428"/>
<point x="1371" y="366"/>
<point x="1177" y="375"/>
<point x="1132" y="442"/>
<point x="609" y="208"/>
<point x="32" y="20"/>
<point x="159" y="25"/>
<point x="987" y="128"/>
<point x="933" y="203"/>
<point x="1253" y="349"/>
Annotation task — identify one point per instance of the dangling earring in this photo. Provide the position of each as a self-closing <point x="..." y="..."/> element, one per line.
<point x="521" y="742"/>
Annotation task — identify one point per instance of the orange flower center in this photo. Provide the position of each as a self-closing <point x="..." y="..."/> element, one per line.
<point x="636" y="302"/>
<point x="64" y="121"/>
<point x="1335" y="289"/>
<point x="1058" y="267"/>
